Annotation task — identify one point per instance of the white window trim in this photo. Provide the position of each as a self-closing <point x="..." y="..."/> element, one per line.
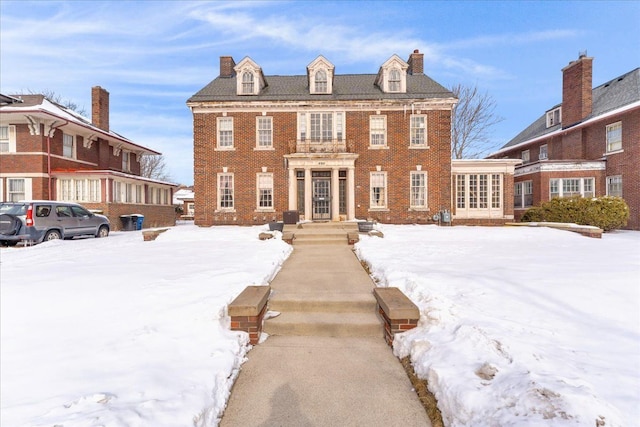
<point x="607" y="129"/>
<point x="525" y="156"/>
<point x="265" y="208"/>
<point x="384" y="128"/>
<point x="426" y="132"/>
<point x="522" y="196"/>
<point x="384" y="206"/>
<point x="126" y="166"/>
<point x="264" y="147"/>
<point x="466" y="211"/>
<point x="28" y="190"/>
<point x="11" y="139"/>
<point x="219" y="195"/>
<point x="608" y="181"/>
<point x="581" y="186"/>
<point x="550" y="117"/>
<point x="307" y="123"/>
<point x="73" y="146"/>
<point x="218" y="130"/>
<point x="544" y="156"/>
<point x="425" y="206"/>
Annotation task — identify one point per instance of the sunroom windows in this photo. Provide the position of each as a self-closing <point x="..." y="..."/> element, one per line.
<point x="569" y="187"/>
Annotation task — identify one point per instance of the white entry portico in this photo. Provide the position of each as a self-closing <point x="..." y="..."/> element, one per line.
<point x="322" y="186"/>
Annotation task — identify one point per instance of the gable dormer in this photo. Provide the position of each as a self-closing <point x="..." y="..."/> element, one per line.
<point x="320" y="76"/>
<point x="249" y="77"/>
<point x="392" y="76"/>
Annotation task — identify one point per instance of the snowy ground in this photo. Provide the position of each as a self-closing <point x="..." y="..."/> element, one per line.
<point x="121" y="332"/>
<point x="520" y="326"/>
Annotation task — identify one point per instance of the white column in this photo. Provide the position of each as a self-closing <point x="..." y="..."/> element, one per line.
<point x="335" y="194"/>
<point x="308" y="215"/>
<point x="351" y="194"/>
<point x="292" y="189"/>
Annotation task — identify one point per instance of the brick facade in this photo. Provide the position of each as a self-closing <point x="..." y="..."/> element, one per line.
<point x="348" y="163"/>
<point x="577" y="148"/>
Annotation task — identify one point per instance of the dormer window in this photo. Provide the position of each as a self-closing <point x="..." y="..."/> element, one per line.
<point x="554" y="117"/>
<point x="320" y="76"/>
<point x="394" y="81"/>
<point x="321" y="81"/>
<point x="392" y="76"/>
<point x="247" y="83"/>
<point x="249" y="78"/>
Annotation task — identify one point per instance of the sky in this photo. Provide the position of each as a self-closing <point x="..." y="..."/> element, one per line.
<point x="548" y="336"/>
<point x="153" y="55"/>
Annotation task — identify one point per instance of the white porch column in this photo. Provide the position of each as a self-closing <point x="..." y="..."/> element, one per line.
<point x="351" y="194"/>
<point x="292" y="189"/>
<point x="308" y="215"/>
<point x="335" y="194"/>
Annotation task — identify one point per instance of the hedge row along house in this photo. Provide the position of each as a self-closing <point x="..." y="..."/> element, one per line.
<point x="49" y="152"/>
<point x="588" y="145"/>
<point x="332" y="147"/>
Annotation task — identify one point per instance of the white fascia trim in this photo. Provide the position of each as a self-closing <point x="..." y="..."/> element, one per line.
<point x="560" y="167"/>
<point x="578" y="126"/>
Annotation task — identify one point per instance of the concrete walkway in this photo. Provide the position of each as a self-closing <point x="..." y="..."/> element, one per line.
<point x="325" y="362"/>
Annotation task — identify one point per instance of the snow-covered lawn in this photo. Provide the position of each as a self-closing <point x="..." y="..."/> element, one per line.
<point x="519" y="326"/>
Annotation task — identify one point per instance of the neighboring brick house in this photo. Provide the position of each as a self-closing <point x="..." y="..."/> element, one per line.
<point x="588" y="145"/>
<point x="324" y="146"/>
<point x="48" y="152"/>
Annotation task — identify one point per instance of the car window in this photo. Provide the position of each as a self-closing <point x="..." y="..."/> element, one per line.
<point x="43" y="210"/>
<point x="63" y="211"/>
<point x="79" y="211"/>
<point x="13" y="209"/>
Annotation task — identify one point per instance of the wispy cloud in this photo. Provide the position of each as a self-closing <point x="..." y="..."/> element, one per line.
<point x="488" y="41"/>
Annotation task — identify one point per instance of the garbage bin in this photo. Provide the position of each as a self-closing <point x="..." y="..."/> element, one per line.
<point x="128" y="222"/>
<point x="276" y="226"/>
<point x="138" y="220"/>
<point x="290" y="217"/>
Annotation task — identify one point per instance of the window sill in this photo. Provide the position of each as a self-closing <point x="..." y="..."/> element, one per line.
<point x="224" y="149"/>
<point x="419" y="147"/>
<point x="264" y="149"/>
<point x="384" y="209"/>
<point x="425" y="209"/>
<point x="270" y="210"/>
<point x="609" y="153"/>
<point x="378" y="147"/>
<point x="224" y="211"/>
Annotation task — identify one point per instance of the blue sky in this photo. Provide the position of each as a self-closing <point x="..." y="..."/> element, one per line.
<point x="152" y="56"/>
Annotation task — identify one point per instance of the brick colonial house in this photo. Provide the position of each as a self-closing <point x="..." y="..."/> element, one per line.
<point x="48" y="152"/>
<point x="588" y="145"/>
<point x="332" y="147"/>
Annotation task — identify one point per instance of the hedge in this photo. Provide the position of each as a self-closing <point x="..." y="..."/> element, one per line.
<point x="607" y="213"/>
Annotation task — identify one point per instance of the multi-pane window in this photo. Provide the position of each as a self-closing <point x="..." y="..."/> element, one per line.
<point x="126" y="166"/>
<point x="523" y="194"/>
<point x="378" y="131"/>
<point x="543" y="154"/>
<point x="614" y="186"/>
<point x="460" y="191"/>
<point x="321" y="126"/>
<point x="526" y="156"/>
<point x="568" y="187"/>
<point x="418" y="131"/>
<point x="496" y="191"/>
<point x="225" y="132"/>
<point x="394" y="80"/>
<point x="264" y="127"/>
<point x="378" y="182"/>
<point x="247" y="83"/>
<point x="321" y="81"/>
<point x="265" y="191"/>
<point x="225" y="191"/>
<point x="418" y="190"/>
<point x="554" y="117"/>
<point x="16" y="189"/>
<point x="614" y="137"/>
<point x="4" y="139"/>
<point x="67" y="145"/>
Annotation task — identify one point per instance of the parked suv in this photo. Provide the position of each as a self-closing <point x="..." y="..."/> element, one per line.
<point x="37" y="221"/>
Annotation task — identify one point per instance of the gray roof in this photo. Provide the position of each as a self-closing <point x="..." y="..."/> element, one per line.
<point x="345" y="87"/>
<point x="609" y="96"/>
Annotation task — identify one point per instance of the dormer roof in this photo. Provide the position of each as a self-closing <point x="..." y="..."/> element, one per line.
<point x="392" y="76"/>
<point x="320" y="65"/>
<point x="249" y="77"/>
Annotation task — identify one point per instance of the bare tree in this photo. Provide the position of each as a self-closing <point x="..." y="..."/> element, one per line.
<point x="473" y="118"/>
<point x="57" y="98"/>
<point x="154" y="167"/>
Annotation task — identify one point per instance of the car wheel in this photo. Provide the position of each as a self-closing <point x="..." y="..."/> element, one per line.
<point x="103" y="231"/>
<point x="52" y="235"/>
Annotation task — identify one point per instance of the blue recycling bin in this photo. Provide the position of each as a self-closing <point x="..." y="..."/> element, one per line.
<point x="139" y="219"/>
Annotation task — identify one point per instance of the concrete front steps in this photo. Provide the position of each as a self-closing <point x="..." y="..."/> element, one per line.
<point x="321" y="233"/>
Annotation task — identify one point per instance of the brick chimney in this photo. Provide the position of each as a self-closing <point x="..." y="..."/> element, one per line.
<point x="577" y="90"/>
<point x="416" y="63"/>
<point x="100" y="108"/>
<point x="226" y="66"/>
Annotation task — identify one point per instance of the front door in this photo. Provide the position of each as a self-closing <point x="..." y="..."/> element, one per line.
<point x="321" y="198"/>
